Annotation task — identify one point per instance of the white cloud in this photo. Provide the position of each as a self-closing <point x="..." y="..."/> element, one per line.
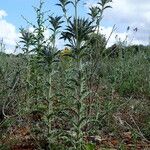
<point x="8" y="33"/>
<point x="129" y="37"/>
<point x="10" y="36"/>
<point x="126" y="13"/>
<point x="2" y="13"/>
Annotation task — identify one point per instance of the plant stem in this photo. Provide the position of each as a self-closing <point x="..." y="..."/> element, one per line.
<point x="49" y="106"/>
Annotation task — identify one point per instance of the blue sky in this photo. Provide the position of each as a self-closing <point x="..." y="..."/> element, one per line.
<point x="124" y="13"/>
<point x="16" y="8"/>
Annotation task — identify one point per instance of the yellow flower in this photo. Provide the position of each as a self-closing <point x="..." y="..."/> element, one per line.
<point x="65" y="52"/>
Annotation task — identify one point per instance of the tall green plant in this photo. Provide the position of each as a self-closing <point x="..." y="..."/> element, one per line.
<point x="96" y="12"/>
<point x="27" y="39"/>
<point x="77" y="33"/>
<point x="42" y="61"/>
<point x="63" y="4"/>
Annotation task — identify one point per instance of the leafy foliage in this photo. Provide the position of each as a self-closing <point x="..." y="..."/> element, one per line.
<point x="63" y="99"/>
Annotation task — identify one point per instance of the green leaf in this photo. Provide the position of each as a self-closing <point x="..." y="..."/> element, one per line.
<point x="74" y="81"/>
<point x="90" y="146"/>
<point x="84" y="95"/>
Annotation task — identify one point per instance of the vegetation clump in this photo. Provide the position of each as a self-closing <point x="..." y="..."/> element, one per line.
<point x="84" y="97"/>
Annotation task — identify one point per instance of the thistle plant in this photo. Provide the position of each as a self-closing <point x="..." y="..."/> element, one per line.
<point x="56" y="24"/>
<point x="27" y="41"/>
<point x="76" y="33"/>
<point x="50" y="59"/>
<point x="44" y="68"/>
<point x="96" y="12"/>
<point x="96" y="46"/>
<point x="63" y="4"/>
<point x="43" y="59"/>
<point x="38" y="43"/>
